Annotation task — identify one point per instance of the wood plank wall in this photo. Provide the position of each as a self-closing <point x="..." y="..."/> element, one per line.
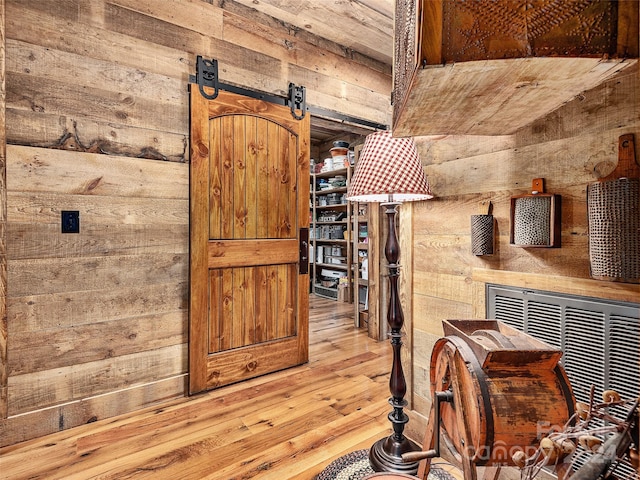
<point x="570" y="148"/>
<point x="3" y="229"/>
<point x="97" y="121"/>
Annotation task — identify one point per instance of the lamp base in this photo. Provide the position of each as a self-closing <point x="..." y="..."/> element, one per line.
<point x="386" y="456"/>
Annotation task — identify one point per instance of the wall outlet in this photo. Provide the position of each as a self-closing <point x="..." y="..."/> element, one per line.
<point x="70" y="221"/>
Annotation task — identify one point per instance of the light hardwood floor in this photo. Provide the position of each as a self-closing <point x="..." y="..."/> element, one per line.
<point x="287" y="425"/>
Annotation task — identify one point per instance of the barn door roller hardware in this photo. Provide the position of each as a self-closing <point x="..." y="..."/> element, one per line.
<point x="207" y="76"/>
<point x="297" y="100"/>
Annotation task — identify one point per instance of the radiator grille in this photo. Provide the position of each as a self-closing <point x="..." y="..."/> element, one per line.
<point x="511" y="310"/>
<point x="584" y="351"/>
<point x="543" y="321"/>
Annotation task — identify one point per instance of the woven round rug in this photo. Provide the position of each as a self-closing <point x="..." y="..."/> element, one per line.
<point x="355" y="466"/>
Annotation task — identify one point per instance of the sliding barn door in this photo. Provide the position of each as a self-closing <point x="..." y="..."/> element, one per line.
<point x="249" y="212"/>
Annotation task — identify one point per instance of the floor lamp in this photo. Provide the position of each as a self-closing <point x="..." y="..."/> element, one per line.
<point x="389" y="172"/>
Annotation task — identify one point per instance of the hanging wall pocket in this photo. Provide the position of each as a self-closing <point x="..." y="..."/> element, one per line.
<point x="613" y="206"/>
<point x="482" y="226"/>
<point x="535" y="218"/>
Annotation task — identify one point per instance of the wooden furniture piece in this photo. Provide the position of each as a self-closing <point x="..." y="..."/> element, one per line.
<point x="367" y="241"/>
<point x="362" y="263"/>
<point x="495" y="390"/>
<point x="490" y="68"/>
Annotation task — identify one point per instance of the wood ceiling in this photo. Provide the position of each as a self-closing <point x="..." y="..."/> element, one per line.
<point x="365" y="26"/>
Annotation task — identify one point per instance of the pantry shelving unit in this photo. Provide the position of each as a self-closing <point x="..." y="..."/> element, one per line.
<point x="330" y="247"/>
<point x="366" y="263"/>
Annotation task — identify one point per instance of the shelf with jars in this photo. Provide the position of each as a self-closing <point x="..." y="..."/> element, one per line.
<point x="330" y="249"/>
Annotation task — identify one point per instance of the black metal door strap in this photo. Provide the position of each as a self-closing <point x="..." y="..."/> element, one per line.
<point x="207" y="76"/>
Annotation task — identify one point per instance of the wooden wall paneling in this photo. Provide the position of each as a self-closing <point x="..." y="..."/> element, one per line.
<point x="624" y="292"/>
<point x="130" y="259"/>
<point x="378" y="275"/>
<point x="453" y="287"/>
<point x="108" y="271"/>
<point x="98" y="341"/>
<point x="559" y="162"/>
<point x="111" y="106"/>
<point x="430" y="311"/>
<point x="198" y="16"/>
<point x="30" y="22"/>
<point x="429" y="220"/>
<point x="3" y="223"/>
<point x="44" y="120"/>
<point x="37" y="390"/>
<point x="125" y="123"/>
<point x="49" y="170"/>
<point x="35" y="207"/>
<point x="133" y="47"/>
<point x="421" y="395"/>
<point x="60" y="417"/>
<point x="155" y="31"/>
<point x="74" y="10"/>
<point x="320" y="60"/>
<point x="36" y="312"/>
<point x="439" y="149"/>
<point x="250" y="14"/>
<point x="295" y="60"/>
<point x="84" y="134"/>
<point x="459" y="208"/>
<point x="456" y="258"/>
<point x="28" y="241"/>
<point x="96" y="101"/>
<point x="68" y="67"/>
<point x="358" y="102"/>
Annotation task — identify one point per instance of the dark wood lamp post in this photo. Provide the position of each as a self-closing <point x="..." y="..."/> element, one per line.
<point x="389" y="172"/>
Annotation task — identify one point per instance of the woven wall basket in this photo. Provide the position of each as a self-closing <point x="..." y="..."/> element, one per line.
<point x="613" y="206"/>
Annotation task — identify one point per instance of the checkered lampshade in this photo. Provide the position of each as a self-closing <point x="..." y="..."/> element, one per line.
<point x="388" y="170"/>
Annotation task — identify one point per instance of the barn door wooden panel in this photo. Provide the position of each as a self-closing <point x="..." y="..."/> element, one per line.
<point x="249" y="217"/>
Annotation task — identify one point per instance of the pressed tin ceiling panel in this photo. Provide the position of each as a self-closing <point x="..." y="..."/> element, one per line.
<point x="532" y="28"/>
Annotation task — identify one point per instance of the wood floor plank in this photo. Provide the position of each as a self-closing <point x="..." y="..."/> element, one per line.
<point x="289" y="460"/>
<point x="286" y="425"/>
